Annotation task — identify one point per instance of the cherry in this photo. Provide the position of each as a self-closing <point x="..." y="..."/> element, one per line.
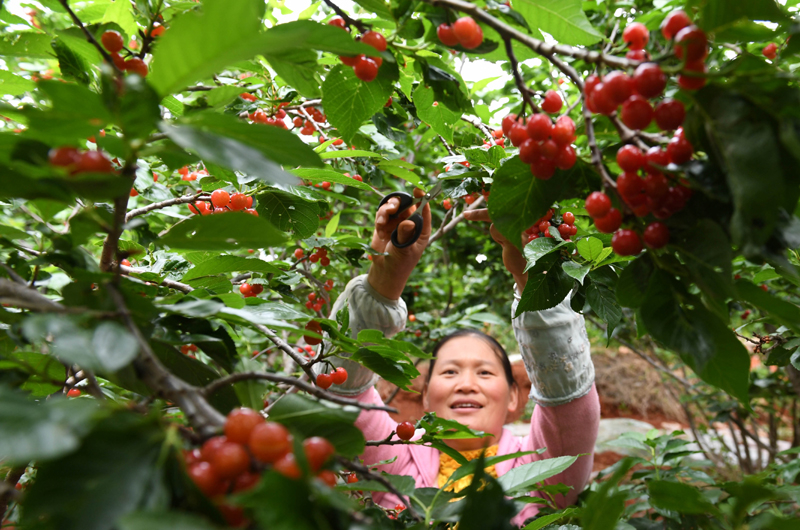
<point x="675" y="21"/>
<point x="339" y="376"/>
<point x="543" y="168"/>
<point x="229" y="460"/>
<point x="446" y="204"/>
<point x="269" y="441"/>
<point x="240" y="424"/>
<point x="675" y="200"/>
<point x="318" y="450"/>
<point x="630" y="186"/>
<point x="619" y="86"/>
<point x="325" y="186"/>
<point x="205" y="478"/>
<point x="529" y="151"/>
<point x="137" y="66"/>
<point x="405" y="430"/>
<point x="157" y="31"/>
<point x="691" y="44"/>
<point x="552" y="102"/>
<point x="314" y="327"/>
<point x="566" y="157"/>
<point x="626" y="243"/>
<point x="597" y="204"/>
<point x="590" y="83"/>
<point x="656" y="186"/>
<point x="518" y="134"/>
<point x="287" y="466"/>
<point x="338" y="22"/>
<point x="609" y="222"/>
<point x="374" y="39"/>
<point x="73" y="392"/>
<point x="656" y="159"/>
<point x="637" y="112"/>
<point x="549" y="149"/>
<point x="134" y="193"/>
<point x="687" y="82"/>
<point x="352" y="478"/>
<point x="602" y="101"/>
<point x="446" y="35"/>
<point x="569" y="218"/>
<point x="112" y="41"/>
<point x="563" y="131"/>
<point x="324" y="381"/>
<point x="238" y="201"/>
<point x="637" y="55"/>
<point x="220" y="198"/>
<point x="93" y="162"/>
<point x="770" y="51"/>
<point x="210" y="447"/>
<point x="649" y="80"/>
<point x="191" y="456"/>
<point x="327" y="477"/>
<point x="669" y="114"/>
<point x="64" y="156"/>
<point x="565" y="230"/>
<point x="656" y="235"/>
<point x="543" y="227"/>
<point x="247" y="290"/>
<point x="745" y="314"/>
<point x="679" y="151"/>
<point x="508" y="122"/>
<point x="630" y="158"/>
<point x="636" y="35"/>
<point x="468" y="32"/>
<point x="539" y="127"/>
<point x="366" y="69"/>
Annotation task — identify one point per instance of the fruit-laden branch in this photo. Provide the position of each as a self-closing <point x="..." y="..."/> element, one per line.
<point x="90" y="37"/>
<point x="449" y="226"/>
<point x="163" y="204"/>
<point x="124" y="269"/>
<point x="349" y="21"/>
<point x="204" y="418"/>
<point x="216" y="384"/>
<point x="546" y="49"/>
<point x="365" y="472"/>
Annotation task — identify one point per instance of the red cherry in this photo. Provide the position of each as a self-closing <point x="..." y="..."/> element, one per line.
<point x="636" y="35"/>
<point x="210" y="447"/>
<point x="679" y="151"/>
<point x="552" y="102"/>
<point x="136" y="66"/>
<point x="318" y="450"/>
<point x="287" y="466"/>
<point x="656" y="235"/>
<point x="543" y="227"/>
<point x="73" y="392"/>
<point x="675" y="21"/>
<point x="238" y="201"/>
<point x="770" y="51"/>
<point x="566" y="157"/>
<point x="518" y="134"/>
<point x="630" y="158"/>
<point x="669" y="114"/>
<point x="338" y="22"/>
<point x="220" y="198"/>
<point x="204" y="477"/>
<point x="565" y="230"/>
<point x="240" y="424"/>
<point x="631" y="187"/>
<point x="157" y="31"/>
<point x="539" y="127"/>
<point x="687" y="82"/>
<point x="590" y="83"/>
<point x="626" y="243"/>
<point x="619" y="86"/>
<point x="446" y="204"/>
<point x="508" y="122"/>
<point x="326" y="186"/>
<point x="543" y="168"/>
<point x="549" y="149"/>
<point x="468" y="32"/>
<point x="602" y="101"/>
<point x="230" y="460"/>
<point x="366" y="69"/>
<point x="597" y="204"/>
<point x="529" y="151"/>
<point x="656" y="186"/>
<point x="328" y="477"/>
<point x="691" y="44"/>
<point x="324" y="381"/>
<point x="339" y="376"/>
<point x="374" y="39"/>
<point x="112" y="41"/>
<point x="637" y="55"/>
<point x="656" y="159"/>
<point x="649" y="80"/>
<point x="446" y="35"/>
<point x="569" y="218"/>
<point x="93" y="162"/>
<point x="352" y="478"/>
<point x="246" y="289"/>
<point x="637" y="112"/>
<point x="313" y="326"/>
<point x="609" y="222"/>
<point x="405" y="430"/>
<point x="64" y="156"/>
<point x="563" y="130"/>
<point x="269" y="441"/>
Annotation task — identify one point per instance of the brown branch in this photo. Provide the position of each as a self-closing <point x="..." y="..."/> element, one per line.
<point x="13" y="274"/>
<point x="480" y="126"/>
<point x="368" y="474"/>
<point x="524" y="91"/>
<point x="124" y="269"/>
<point x="110" y="248"/>
<point x="311" y="389"/>
<point x="22" y="296"/>
<point x="756" y="439"/>
<point x="597" y="156"/>
<point x="449" y="226"/>
<point x="446" y="145"/>
<point x="163" y="204"/>
<point x="8" y="491"/>
<point x="90" y="37"/>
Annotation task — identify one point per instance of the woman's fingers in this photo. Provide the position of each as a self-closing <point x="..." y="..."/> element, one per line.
<point x="405" y="231"/>
<point x="481" y="214"/>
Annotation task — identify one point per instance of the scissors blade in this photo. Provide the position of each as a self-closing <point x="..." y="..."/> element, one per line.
<point x="435" y="191"/>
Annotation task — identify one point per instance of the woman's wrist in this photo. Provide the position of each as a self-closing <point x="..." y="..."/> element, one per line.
<point x="387" y="285"/>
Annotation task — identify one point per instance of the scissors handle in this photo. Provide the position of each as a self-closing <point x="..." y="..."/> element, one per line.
<point x="406" y="201"/>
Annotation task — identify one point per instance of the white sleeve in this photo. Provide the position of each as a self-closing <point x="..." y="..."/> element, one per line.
<point x="368" y="310"/>
<point x="555" y="350"/>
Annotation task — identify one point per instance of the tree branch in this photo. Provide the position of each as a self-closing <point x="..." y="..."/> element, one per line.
<point x="22" y="296"/>
<point x="90" y="37"/>
<point x="524" y="91"/>
<point x="480" y="126"/>
<point x="363" y="28"/>
<point x="166" y="283"/>
<point x="163" y="204"/>
<point x="449" y="226"/>
<point x="368" y="474"/>
<point x="597" y="156"/>
<point x="120" y="208"/>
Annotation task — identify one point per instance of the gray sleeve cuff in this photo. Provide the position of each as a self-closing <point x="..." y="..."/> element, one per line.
<point x="555" y="350"/>
<point x="368" y="310"/>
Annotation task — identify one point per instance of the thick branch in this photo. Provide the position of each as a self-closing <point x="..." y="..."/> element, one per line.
<point x="120" y="208"/>
<point x="163" y="204"/>
<point x="21" y="296"/>
<point x="90" y="37"/>
<point x="449" y="226"/>
<point x="306" y="387"/>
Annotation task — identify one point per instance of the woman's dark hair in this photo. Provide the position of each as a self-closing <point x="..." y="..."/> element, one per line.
<point x="496" y="347"/>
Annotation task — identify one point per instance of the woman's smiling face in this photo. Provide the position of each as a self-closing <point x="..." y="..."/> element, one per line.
<point x="468" y="384"/>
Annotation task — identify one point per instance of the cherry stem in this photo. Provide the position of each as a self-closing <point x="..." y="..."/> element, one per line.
<point x="363" y="28"/>
<point x="90" y="37"/>
<point x="524" y="91"/>
<point x="597" y="156"/>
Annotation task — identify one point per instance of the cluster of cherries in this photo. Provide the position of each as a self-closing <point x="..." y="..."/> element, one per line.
<point x="187" y="175"/>
<point x="336" y="377"/>
<point x="318" y="255"/>
<point x="542" y="144"/>
<point x="365" y="68"/>
<point x="223" y="202"/>
<point x="625" y="242"/>
<point x="232" y="463"/>
<point x="189" y="350"/>
<point x="77" y="162"/>
<point x="112" y="41"/>
<point x="541" y="228"/>
<point x="464" y="31"/>
<point x="251" y="290"/>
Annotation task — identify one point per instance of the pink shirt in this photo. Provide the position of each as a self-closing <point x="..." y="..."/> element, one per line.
<point x="568" y="429"/>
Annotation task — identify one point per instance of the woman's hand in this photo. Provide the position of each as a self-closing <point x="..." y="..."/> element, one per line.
<point x="388" y="274"/>
<point x="513" y="259"/>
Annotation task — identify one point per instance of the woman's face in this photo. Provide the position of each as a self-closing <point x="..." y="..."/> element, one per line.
<point x="468" y="384"/>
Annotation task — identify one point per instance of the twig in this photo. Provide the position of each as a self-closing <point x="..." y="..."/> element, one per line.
<point x="283" y="345"/>
<point x="90" y="37"/>
<point x="200" y="88"/>
<point x="349" y="21"/>
<point x="597" y="156"/>
<point x="13" y="274"/>
<point x="449" y="226"/>
<point x="163" y="204"/>
<point x="318" y="282"/>
<point x="756" y="439"/>
<point x="311" y="389"/>
<point x="306" y="103"/>
<point x="480" y="125"/>
<point x="446" y="145"/>
<point x="94" y="387"/>
<point x="124" y="269"/>
<point x="524" y="91"/>
<point x="366" y="473"/>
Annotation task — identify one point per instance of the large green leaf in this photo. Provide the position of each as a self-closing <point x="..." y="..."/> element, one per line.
<point x="14" y="85"/>
<point x="307" y="417"/>
<point x="43" y="430"/>
<point x="438" y="116"/>
<point x="289" y="212"/>
<point x="27" y="45"/>
<point x="299" y="68"/>
<point x="783" y="312"/>
<point x="717" y="15"/>
<point x="703" y="341"/>
<point x="349" y="101"/>
<point x="223" y="264"/>
<point x="563" y="19"/>
<point x="388" y="363"/>
<point x="229" y="231"/>
<point x="633" y="281"/>
<point x="604" y="303"/>
<point x="73" y="66"/>
<point x="679" y="497"/>
<point x="329" y="175"/>
<point x="43" y="374"/>
<point x="522" y="478"/>
<point x="95" y="186"/>
<point x="121" y="14"/>
<point x="76" y="113"/>
<point x="547" y="285"/>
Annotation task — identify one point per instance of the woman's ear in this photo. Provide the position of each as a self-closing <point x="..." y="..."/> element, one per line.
<point x="425" y="402"/>
<point x="514" y="401"/>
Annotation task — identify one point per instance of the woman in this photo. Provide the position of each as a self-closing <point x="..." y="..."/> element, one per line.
<point x="470" y="378"/>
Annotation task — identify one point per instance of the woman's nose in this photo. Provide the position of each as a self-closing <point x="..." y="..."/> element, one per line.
<point x="466" y="382"/>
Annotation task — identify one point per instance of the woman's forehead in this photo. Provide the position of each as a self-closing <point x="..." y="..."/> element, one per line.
<point x="467" y="348"/>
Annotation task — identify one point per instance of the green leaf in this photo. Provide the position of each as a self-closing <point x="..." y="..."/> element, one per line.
<point x="522" y="478"/>
<point x="120" y="13"/>
<point x="590" y="248"/>
<point x="72" y="65"/>
<point x="328" y="175"/>
<point x="563" y="19"/>
<point x="312" y="418"/>
<point x="379" y="7"/>
<point x="349" y="101"/>
<point x="14" y="85"/>
<point x="41" y="431"/>
<point x="287" y="212"/>
<point x="547" y="285"/>
<point x="223" y="95"/>
<point x="679" y="497"/>
<point x="783" y="312"/>
<point x="332" y="225"/>
<point x="113" y="345"/>
<point x="604" y="303"/>
<point x="300" y="70"/>
<point x="545" y="520"/>
<point x="223" y="264"/>
<point x="486" y="505"/>
<point x="702" y="340"/>
<point x="439" y="117"/>
<point x="355" y="153"/>
<point x="76" y="112"/>
<point x="718" y="14"/>
<point x="576" y="270"/>
<point x="519" y="199"/>
<point x="139" y="111"/>
<point x="232" y="231"/>
<point x="163" y="520"/>
<point x="387" y="363"/>
<point x="538" y="248"/>
<point x="633" y="281"/>
<point x="27" y="45"/>
<point x="394" y="168"/>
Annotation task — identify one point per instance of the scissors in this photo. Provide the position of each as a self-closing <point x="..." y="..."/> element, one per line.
<point x="406" y="202"/>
